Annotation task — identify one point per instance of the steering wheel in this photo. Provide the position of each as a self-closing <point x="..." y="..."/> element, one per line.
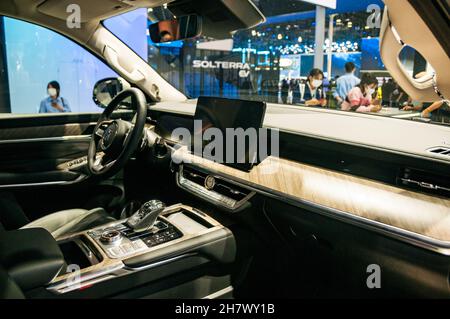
<point x="114" y="141"/>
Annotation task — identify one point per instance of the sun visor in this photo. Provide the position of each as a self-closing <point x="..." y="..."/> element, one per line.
<point x="412" y="54"/>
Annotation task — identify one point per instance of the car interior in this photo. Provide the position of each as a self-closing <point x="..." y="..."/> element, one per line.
<point x="111" y="205"/>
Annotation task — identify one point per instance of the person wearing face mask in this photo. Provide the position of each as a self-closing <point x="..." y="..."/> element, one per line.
<point x="312" y="93"/>
<point x="54" y="103"/>
<point x="359" y="98"/>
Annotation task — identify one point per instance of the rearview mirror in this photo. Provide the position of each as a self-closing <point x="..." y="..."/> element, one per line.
<point x="182" y="28"/>
<point x="105" y="90"/>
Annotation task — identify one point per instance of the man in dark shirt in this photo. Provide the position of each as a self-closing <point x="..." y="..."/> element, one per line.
<point x="388" y="88"/>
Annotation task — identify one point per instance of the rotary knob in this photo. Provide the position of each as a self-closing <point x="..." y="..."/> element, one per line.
<point x="110" y="236"/>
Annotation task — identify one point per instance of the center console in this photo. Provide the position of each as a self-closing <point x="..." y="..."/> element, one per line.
<point x="144" y="230"/>
<point x="154" y="236"/>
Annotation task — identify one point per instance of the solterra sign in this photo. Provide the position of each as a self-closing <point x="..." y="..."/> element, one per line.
<point x="243" y="68"/>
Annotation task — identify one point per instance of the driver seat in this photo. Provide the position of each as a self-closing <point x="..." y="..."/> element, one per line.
<point x="71" y="221"/>
<point x="58" y="224"/>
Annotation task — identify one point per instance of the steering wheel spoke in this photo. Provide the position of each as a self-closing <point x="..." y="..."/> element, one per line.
<point x="98" y="162"/>
<point x="127" y="135"/>
<point x="102" y="162"/>
<point x="99" y="132"/>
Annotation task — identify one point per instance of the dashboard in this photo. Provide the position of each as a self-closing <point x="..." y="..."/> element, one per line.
<point x="365" y="130"/>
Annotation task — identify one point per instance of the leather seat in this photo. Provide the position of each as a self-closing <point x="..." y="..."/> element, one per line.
<point x="8" y="287"/>
<point x="71" y="221"/>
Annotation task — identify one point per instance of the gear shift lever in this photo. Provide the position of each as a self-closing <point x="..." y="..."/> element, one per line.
<point x="146" y="216"/>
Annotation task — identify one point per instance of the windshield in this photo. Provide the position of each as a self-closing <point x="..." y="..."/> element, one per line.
<point x="276" y="62"/>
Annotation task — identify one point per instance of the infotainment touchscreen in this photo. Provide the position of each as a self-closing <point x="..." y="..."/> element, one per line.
<point x="227" y="130"/>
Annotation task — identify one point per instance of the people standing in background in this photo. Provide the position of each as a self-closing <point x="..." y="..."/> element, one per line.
<point x="345" y="83"/>
<point x="411" y="105"/>
<point x="283" y="91"/>
<point x="54" y="103"/>
<point x="387" y="90"/>
<point x="399" y="97"/>
<point x="380" y="93"/>
<point x="312" y="92"/>
<point x="360" y="98"/>
<point x="292" y="85"/>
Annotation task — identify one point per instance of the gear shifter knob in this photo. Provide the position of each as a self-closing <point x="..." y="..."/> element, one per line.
<point x="146" y="216"/>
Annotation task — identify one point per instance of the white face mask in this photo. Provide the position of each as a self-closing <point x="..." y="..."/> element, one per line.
<point x="52" y="91"/>
<point x="317" y="83"/>
<point x="371" y="91"/>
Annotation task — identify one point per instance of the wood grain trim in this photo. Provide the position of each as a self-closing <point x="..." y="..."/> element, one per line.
<point x="418" y="213"/>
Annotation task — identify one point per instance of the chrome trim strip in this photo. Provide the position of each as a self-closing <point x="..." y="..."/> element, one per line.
<point x="90" y="278"/>
<point x="425" y="242"/>
<point x="72" y="138"/>
<point x="108" y="273"/>
<point x="425" y="184"/>
<point x="219" y="293"/>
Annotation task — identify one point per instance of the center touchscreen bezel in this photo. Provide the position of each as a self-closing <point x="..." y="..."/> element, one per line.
<point x="230" y="113"/>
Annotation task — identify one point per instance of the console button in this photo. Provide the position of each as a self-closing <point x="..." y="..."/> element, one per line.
<point x="170" y="233"/>
<point x="115" y="251"/>
<point x="127" y="248"/>
<point x="138" y="244"/>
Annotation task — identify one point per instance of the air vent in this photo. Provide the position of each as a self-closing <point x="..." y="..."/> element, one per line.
<point x="220" y="186"/>
<point x="443" y="151"/>
<point x="213" y="188"/>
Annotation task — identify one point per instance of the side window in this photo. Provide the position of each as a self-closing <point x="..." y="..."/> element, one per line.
<point x="45" y="72"/>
